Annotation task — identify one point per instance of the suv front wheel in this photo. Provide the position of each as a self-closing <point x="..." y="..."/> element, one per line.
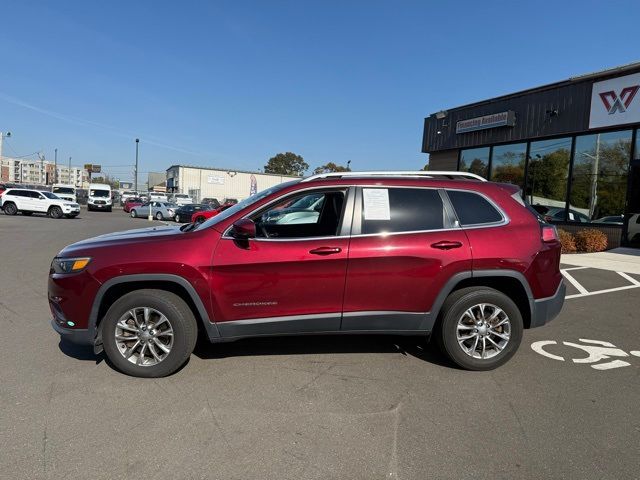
<point x="481" y="328"/>
<point x="149" y="333"/>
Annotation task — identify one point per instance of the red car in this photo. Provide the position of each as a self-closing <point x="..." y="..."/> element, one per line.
<point x="130" y="203"/>
<point x="433" y="254"/>
<point x="202" y="215"/>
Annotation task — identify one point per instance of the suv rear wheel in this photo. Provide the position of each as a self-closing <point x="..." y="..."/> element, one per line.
<point x="481" y="328"/>
<point x="149" y="333"/>
<point x="10" y="208"/>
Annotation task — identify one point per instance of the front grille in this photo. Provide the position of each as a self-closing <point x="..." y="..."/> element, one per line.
<point x="100" y="202"/>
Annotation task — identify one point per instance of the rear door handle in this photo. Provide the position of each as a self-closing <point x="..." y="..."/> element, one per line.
<point x="325" y="250"/>
<point x="446" y="245"/>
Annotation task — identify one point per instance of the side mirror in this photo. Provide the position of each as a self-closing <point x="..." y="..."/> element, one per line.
<point x="244" y="229"/>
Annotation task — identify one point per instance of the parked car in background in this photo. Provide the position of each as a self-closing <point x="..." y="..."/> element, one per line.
<point x="159" y="210"/>
<point x="157" y="197"/>
<point x="132" y="202"/>
<point x="387" y="254"/>
<point x="66" y="192"/>
<point x="201" y="216"/>
<point x="182" y="199"/>
<point x="556" y="214"/>
<point x="125" y="195"/>
<point x="210" y="201"/>
<point x="27" y="202"/>
<point x="185" y="212"/>
<point x="99" y="197"/>
<point x="611" y="219"/>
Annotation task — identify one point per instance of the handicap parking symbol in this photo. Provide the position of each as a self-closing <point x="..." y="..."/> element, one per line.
<point x="596" y="350"/>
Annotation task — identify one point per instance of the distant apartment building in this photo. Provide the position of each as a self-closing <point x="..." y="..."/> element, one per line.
<point x="41" y="172"/>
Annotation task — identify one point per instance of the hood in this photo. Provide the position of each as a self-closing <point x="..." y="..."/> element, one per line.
<point x="120" y="238"/>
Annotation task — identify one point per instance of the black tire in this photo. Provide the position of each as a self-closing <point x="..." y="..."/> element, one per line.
<point x="177" y="218"/>
<point x="109" y="209"/>
<point x="55" y="212"/>
<point x="454" y="309"/>
<point x="89" y="208"/>
<point x="159" y="216"/>
<point x="133" y="214"/>
<point x="10" y="208"/>
<point x="182" y="321"/>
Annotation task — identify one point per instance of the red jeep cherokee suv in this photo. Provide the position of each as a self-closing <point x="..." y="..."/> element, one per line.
<point x="443" y="254"/>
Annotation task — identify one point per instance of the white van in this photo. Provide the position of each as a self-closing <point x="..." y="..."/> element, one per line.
<point x="99" y="197"/>
<point x="66" y="192"/>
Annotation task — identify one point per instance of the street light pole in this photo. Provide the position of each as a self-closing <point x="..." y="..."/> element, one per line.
<point x="69" y="173"/>
<point x="55" y="165"/>
<point x="135" y="180"/>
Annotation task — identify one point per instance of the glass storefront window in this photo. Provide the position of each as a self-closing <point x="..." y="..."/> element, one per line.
<point x="547" y="175"/>
<point x="475" y="160"/>
<point x="599" y="178"/>
<point x="507" y="163"/>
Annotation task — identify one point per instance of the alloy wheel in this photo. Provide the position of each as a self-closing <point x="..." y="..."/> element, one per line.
<point x="144" y="336"/>
<point x="483" y="331"/>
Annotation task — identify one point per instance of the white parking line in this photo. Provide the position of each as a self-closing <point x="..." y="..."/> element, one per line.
<point x="574" y="268"/>
<point x="598" y="292"/>
<point x="629" y="278"/>
<point x="574" y="282"/>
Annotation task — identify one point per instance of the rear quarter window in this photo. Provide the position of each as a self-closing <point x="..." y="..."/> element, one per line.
<point x="473" y="209"/>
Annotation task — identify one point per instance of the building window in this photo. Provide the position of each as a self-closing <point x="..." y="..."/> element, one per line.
<point x="475" y="160"/>
<point x="599" y="178"/>
<point x="547" y="175"/>
<point x="507" y="163"/>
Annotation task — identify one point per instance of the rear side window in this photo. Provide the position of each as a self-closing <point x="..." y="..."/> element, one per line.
<point x="387" y="210"/>
<point x="473" y="209"/>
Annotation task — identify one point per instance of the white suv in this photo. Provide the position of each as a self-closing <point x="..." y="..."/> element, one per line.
<point x="26" y="201"/>
<point x="182" y="199"/>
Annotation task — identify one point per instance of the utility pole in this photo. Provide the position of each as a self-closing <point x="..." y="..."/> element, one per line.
<point x="135" y="173"/>
<point x="55" y="165"/>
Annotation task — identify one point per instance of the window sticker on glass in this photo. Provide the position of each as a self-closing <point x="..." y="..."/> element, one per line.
<point x="376" y="204"/>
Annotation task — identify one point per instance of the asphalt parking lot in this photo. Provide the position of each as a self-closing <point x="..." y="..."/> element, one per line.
<point x="315" y="407"/>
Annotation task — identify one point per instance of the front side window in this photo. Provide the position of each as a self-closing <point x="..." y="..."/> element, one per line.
<point x="50" y="195"/>
<point x="390" y="210"/>
<point x="507" y="163"/>
<point x="473" y="209"/>
<point x="306" y="215"/>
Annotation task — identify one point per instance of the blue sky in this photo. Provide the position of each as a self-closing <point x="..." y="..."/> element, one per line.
<point x="232" y="83"/>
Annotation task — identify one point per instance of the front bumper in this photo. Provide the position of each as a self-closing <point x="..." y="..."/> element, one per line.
<point x="74" y="335"/>
<point x="99" y="205"/>
<point x="546" y="309"/>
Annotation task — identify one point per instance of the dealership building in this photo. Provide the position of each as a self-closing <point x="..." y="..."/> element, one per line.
<point x="210" y="182"/>
<point x="572" y="146"/>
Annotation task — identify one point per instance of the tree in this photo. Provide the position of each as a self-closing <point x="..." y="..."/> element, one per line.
<point x="286" y="164"/>
<point x="331" y="167"/>
<point x="107" y="180"/>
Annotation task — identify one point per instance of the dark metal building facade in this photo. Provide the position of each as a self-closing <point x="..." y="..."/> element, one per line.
<point x="571" y="146"/>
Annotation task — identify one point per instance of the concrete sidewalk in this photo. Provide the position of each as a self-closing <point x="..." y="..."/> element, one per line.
<point x="618" y="260"/>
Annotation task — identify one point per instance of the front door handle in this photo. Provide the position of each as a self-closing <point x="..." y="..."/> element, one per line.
<point x="446" y="245"/>
<point x="325" y="251"/>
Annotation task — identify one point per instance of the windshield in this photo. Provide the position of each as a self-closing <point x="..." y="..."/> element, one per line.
<point x="245" y="203"/>
<point x="99" y="193"/>
<point x="50" y="195"/>
<point x="64" y="190"/>
<point x="181" y="195"/>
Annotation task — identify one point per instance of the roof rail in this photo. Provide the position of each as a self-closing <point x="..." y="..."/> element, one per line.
<point x="392" y="173"/>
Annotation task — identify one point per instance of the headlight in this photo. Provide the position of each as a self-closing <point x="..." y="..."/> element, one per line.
<point x="69" y="265"/>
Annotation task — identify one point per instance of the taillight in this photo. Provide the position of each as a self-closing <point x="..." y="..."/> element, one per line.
<point x="549" y="233"/>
